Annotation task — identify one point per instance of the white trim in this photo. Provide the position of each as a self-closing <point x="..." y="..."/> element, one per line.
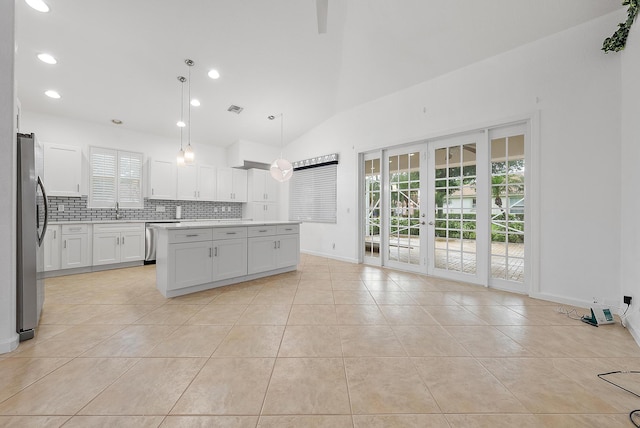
<point x="10" y="344"/>
<point x="330" y="256"/>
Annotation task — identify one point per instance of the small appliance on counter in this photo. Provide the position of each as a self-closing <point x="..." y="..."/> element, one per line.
<point x="178" y="212"/>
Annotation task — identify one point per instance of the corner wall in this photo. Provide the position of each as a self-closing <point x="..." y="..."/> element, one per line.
<point x="576" y="90"/>
<point x="630" y="225"/>
<point x="8" y="172"/>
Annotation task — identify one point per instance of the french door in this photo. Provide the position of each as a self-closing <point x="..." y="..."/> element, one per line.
<point x="457" y="218"/>
<point x="453" y="207"/>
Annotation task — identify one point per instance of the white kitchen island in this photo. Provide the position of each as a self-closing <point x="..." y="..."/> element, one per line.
<point x="197" y="256"/>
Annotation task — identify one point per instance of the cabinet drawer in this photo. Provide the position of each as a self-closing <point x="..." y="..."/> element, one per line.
<point x="288" y="229"/>
<point x="118" y="227"/>
<point x="261" y="231"/>
<point x="229" y="232"/>
<point x="190" y="235"/>
<point x="68" y="229"/>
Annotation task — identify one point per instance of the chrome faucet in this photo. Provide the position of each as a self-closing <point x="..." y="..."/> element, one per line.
<point x="118" y="215"/>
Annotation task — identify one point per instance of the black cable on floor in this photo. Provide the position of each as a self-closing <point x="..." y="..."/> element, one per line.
<point x="633" y="412"/>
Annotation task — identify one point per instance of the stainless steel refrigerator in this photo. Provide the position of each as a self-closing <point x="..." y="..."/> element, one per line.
<point x="32" y="219"/>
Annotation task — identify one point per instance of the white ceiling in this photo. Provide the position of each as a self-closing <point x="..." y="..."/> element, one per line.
<point x="119" y="59"/>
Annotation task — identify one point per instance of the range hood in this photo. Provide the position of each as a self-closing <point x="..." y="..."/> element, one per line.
<point x="253" y="165"/>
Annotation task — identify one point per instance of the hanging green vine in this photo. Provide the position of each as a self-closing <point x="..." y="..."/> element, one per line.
<point x="617" y="41"/>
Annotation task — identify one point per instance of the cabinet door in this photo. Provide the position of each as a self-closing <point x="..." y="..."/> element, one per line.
<point x="261" y="254"/>
<point x="256" y="185"/>
<point x="106" y="248"/>
<point x="271" y="188"/>
<point x="62" y="169"/>
<point x="270" y="212"/>
<point x="187" y="183"/>
<point x="75" y="250"/>
<point x="189" y="264"/>
<point x="229" y="258"/>
<point x="224" y="184"/>
<point x="207" y="183"/>
<point x="288" y="250"/>
<point x="131" y="246"/>
<point x="162" y="179"/>
<point x="239" y="185"/>
<point x="51" y="246"/>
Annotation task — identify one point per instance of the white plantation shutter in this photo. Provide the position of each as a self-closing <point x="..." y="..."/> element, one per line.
<point x="115" y="176"/>
<point x="313" y="194"/>
<point x="102" y="181"/>
<point x="130" y="179"/>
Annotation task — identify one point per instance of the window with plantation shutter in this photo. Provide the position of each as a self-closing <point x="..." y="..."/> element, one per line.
<point x="313" y="194"/>
<point x="115" y="176"/>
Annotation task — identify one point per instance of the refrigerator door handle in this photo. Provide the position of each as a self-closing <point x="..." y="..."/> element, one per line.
<point x="46" y="213"/>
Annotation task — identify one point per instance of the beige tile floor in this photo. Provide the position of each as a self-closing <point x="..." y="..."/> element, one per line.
<point x="331" y="345"/>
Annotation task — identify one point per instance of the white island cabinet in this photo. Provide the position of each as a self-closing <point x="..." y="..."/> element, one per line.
<point x="197" y="256"/>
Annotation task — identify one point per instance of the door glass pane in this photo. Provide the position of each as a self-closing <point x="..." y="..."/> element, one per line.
<point x="404" y="208"/>
<point x="455" y="208"/>
<point x="507" y="208"/>
<point x="372" y="207"/>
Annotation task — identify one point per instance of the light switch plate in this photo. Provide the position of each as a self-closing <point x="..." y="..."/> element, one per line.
<point x="60" y="208"/>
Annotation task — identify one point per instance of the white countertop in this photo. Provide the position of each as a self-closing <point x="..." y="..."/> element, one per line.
<point x="236" y="220"/>
<point x="199" y="224"/>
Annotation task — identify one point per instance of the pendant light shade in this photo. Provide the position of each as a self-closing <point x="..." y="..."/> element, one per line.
<point x="281" y="169"/>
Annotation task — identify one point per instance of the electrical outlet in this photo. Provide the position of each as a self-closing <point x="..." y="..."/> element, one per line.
<point x="215" y="209"/>
<point x="160" y="208"/>
<point x="60" y="208"/>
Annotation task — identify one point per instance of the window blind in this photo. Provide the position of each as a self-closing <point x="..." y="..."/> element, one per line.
<point x="115" y="176"/>
<point x="313" y="194"/>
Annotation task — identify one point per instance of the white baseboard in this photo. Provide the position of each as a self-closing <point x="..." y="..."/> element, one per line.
<point x="9" y="344"/>
<point x="329" y="256"/>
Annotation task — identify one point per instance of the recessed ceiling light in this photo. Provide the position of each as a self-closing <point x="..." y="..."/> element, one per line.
<point x="116" y="121"/>
<point x="52" y="94"/>
<point x="213" y="74"/>
<point x="181" y="124"/>
<point x="195" y="102"/>
<point x="45" y="57"/>
<point x="38" y="5"/>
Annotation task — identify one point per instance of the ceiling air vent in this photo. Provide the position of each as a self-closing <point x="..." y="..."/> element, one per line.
<point x="235" y="109"/>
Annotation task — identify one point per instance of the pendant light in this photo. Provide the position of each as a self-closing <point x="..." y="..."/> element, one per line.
<point x="281" y="169"/>
<point x="181" y="124"/>
<point x="189" y="156"/>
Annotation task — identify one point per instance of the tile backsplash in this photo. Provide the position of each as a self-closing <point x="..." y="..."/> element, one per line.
<point x="75" y="209"/>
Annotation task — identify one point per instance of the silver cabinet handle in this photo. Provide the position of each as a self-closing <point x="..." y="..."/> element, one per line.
<point x="123" y="240"/>
<point x="216" y="252"/>
<point x="152" y="190"/>
<point x="78" y="188"/>
<point x="278" y="244"/>
<point x="54" y="234"/>
<point x="209" y="252"/>
<point x="231" y="233"/>
<point x="195" y="193"/>
<point x="262" y="231"/>
<point x="192" y="235"/>
<point x="118" y="240"/>
<point x="275" y="245"/>
<point x="65" y="244"/>
<point x="287" y="228"/>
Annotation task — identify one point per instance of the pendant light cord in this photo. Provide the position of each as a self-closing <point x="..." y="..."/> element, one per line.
<point x="189" y="107"/>
<point x="181" y="111"/>
<point x="281" y="133"/>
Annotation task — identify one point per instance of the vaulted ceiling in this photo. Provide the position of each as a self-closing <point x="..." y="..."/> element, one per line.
<point x="119" y="59"/>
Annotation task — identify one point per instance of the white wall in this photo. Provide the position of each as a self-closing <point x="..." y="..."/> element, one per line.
<point x="60" y="130"/>
<point x="8" y="172"/>
<point x="630" y="225"/>
<point x="576" y="89"/>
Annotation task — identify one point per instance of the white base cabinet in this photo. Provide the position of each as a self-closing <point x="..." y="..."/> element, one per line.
<point x="190" y="260"/>
<point x="51" y="246"/>
<point x="75" y="246"/>
<point x="118" y="243"/>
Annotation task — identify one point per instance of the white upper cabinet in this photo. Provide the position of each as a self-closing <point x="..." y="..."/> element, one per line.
<point x="62" y="169"/>
<point x="187" y="183"/>
<point x="232" y="185"/>
<point x="161" y="179"/>
<point x="261" y="186"/>
<point x="197" y="183"/>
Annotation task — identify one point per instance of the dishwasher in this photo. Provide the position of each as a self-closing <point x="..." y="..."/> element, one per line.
<point x="151" y="240"/>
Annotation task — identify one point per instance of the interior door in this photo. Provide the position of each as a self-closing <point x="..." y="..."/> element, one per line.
<point x="404" y="237"/>
<point x="457" y="226"/>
